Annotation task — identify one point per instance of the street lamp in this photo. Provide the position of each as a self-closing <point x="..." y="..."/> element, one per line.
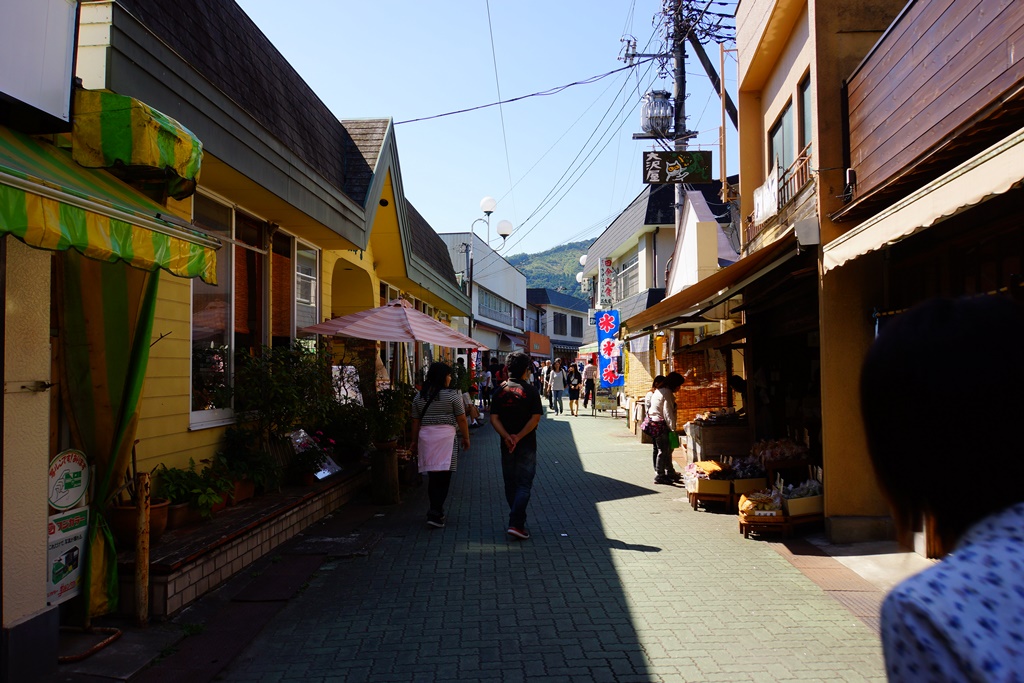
<point x="504" y="228"/>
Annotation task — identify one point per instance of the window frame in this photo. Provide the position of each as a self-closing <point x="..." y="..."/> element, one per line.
<point x="786" y="116"/>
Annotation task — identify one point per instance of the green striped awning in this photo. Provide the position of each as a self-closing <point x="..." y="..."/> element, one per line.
<point x="50" y="202"/>
<point x="120" y="132"/>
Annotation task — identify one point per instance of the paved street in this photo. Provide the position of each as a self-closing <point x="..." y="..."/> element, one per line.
<point x="622" y="581"/>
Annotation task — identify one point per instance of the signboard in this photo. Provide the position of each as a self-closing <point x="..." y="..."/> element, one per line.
<point x="609" y="348"/>
<point x="607" y="280"/>
<point x="766" y="197"/>
<point x="65" y="550"/>
<point x="68" y="479"/>
<point x="682" y="166"/>
<point x="606" y="399"/>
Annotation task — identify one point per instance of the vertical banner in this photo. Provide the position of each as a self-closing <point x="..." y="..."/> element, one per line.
<point x="607" y="277"/>
<point x="609" y="349"/>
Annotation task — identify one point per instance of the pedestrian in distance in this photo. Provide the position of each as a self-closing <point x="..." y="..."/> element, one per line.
<point x="558" y="384"/>
<point x="660" y="420"/>
<point x="472" y="412"/>
<point x="589" y="382"/>
<point x="438" y="416"/>
<point x="932" y="369"/>
<point x="655" y="385"/>
<point x="546" y="378"/>
<point x="515" y="413"/>
<point x="574" y="383"/>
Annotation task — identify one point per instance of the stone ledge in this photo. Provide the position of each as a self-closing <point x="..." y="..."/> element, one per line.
<point x="190" y="562"/>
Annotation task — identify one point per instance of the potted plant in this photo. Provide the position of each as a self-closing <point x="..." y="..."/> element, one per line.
<point x="388" y="412"/>
<point x="246" y="462"/>
<point x="192" y="494"/>
<point x="122" y="512"/>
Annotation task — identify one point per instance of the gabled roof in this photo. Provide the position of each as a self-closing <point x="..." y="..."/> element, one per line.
<point x="219" y="40"/>
<point x="549" y="297"/>
<point x="429" y="246"/>
<point x="368" y="139"/>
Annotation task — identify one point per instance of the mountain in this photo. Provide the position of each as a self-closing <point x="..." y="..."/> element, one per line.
<point x="555" y="268"/>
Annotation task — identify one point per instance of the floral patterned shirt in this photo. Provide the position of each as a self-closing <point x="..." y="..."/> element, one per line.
<point x="963" y="619"/>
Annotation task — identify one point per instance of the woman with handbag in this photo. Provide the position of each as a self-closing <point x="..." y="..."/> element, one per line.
<point x="660" y="420"/>
<point x="655" y="385"/>
<point x="575" y="383"/>
<point x="437" y="412"/>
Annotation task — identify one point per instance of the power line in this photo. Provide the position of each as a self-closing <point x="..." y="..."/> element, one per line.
<point x="542" y="93"/>
<point x="501" y="110"/>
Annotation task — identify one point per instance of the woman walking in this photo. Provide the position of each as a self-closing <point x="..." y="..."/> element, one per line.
<point x="557" y="382"/>
<point x="655" y="385"/>
<point x="436" y="413"/>
<point x="660" y="421"/>
<point x="575" y="382"/>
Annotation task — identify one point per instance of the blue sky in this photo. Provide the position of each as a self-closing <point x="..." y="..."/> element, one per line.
<point x="561" y="166"/>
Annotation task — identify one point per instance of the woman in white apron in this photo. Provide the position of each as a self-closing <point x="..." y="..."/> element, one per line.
<point x="438" y="415"/>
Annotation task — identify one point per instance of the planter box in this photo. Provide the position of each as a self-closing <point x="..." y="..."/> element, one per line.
<point x="747" y="485"/>
<point x="713" y="486"/>
<point x="811" y="505"/>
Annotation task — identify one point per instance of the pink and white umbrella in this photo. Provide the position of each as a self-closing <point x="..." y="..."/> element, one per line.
<point x="397" y="321"/>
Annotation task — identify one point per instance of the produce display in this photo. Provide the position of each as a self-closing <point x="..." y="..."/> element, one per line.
<point x="811" y="487"/>
<point x="778" y="449"/>
<point x="747" y="468"/>
<point x="760" y="501"/>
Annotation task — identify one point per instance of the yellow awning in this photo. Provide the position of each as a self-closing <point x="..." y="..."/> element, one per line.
<point x="120" y="132"/>
<point x="995" y="171"/>
<point x="48" y="201"/>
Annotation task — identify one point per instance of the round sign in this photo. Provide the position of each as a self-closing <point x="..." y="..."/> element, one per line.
<point x="69" y="479"/>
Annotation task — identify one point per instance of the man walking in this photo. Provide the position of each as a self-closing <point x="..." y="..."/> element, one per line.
<point x="589" y="375"/>
<point x="515" y="413"/>
<point x="546" y="379"/>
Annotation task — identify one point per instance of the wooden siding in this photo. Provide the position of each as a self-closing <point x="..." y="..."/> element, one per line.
<point x="940" y="65"/>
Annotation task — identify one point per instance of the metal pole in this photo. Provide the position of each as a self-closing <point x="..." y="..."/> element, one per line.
<point x="679" y="31"/>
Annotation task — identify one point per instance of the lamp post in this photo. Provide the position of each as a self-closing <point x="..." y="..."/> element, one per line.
<point x="487" y="205"/>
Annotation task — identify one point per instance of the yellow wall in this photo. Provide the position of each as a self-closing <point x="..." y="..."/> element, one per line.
<point x="847" y="297"/>
<point x="26" y="431"/>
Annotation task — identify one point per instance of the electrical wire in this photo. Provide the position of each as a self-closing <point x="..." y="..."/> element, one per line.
<point x="542" y="93"/>
<point x="501" y="109"/>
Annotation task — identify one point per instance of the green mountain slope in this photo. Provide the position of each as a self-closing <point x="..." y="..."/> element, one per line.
<point x="553" y="269"/>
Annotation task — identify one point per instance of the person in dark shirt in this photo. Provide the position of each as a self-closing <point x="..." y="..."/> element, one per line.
<point x="515" y="413"/>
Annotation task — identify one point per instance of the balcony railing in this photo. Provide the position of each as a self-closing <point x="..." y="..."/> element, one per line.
<point x="790" y="183"/>
<point x="496" y="315"/>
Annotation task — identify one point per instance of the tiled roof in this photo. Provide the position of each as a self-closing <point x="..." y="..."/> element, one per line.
<point x="549" y="297"/>
<point x="429" y="246"/>
<point x="368" y="137"/>
<point x="219" y="40"/>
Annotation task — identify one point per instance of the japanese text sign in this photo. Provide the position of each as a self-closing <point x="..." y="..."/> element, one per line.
<point x="608" y="349"/>
<point x="677" y="167"/>
<point x="607" y="281"/>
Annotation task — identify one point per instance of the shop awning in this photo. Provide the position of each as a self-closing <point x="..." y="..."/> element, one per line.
<point x="715" y="288"/>
<point x="49" y="202"/>
<point x="994" y="171"/>
<point x="120" y="132"/>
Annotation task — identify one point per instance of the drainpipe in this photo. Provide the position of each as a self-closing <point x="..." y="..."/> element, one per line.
<point x="654" y="248"/>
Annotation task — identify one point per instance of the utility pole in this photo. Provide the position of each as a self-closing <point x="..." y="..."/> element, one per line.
<point x="681" y="134"/>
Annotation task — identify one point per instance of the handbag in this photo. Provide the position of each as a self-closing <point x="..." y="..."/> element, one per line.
<point x="673" y="439"/>
<point x="652" y="427"/>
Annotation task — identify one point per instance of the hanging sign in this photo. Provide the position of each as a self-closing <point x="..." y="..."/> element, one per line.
<point x="68" y="479"/>
<point x="65" y="547"/>
<point x="607" y="279"/>
<point x="609" y="348"/>
<point x="683" y="166"/>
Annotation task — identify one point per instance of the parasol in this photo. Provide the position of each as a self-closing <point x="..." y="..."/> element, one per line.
<point x="397" y="321"/>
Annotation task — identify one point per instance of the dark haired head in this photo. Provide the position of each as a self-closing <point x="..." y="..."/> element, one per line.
<point x="658" y="381"/>
<point x="939" y="366"/>
<point x="435" y="379"/>
<point x="673" y="381"/>
<point x="517" y="362"/>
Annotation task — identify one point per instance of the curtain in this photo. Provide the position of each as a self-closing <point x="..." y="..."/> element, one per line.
<point x="105" y="315"/>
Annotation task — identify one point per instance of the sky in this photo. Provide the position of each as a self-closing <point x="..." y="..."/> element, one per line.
<point x="561" y="166"/>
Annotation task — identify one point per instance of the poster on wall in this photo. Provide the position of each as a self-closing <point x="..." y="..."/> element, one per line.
<point x="65" y="546"/>
<point x="609" y="348"/>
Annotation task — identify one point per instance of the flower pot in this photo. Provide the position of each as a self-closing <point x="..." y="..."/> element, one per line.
<point x="181" y="515"/>
<point x="121" y="519"/>
<point x="244" y="489"/>
<point x="384" y="473"/>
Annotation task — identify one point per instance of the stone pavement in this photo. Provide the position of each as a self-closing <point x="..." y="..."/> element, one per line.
<point x="621" y="581"/>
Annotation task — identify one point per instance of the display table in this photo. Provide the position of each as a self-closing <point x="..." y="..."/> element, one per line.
<point x="711" y="441"/>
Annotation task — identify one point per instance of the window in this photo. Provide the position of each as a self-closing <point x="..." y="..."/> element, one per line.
<point x="628" y="278"/>
<point x="577" y="325"/>
<point x="806" y="109"/>
<point x="268" y="284"/>
<point x="782" y="146"/>
<point x="559" y="323"/>
<point x="494" y="307"/>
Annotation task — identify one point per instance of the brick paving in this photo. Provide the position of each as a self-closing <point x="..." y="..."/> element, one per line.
<point x="622" y="581"/>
